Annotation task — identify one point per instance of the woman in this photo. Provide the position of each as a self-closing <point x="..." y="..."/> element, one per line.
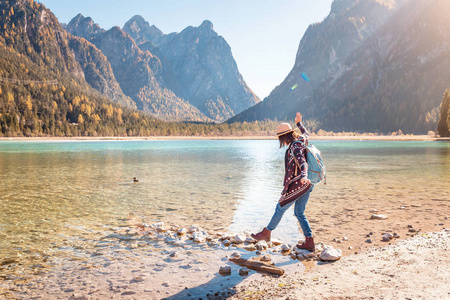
<point x="297" y="186"/>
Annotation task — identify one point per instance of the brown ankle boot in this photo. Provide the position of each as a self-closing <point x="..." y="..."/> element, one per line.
<point x="308" y="244"/>
<point x="263" y="235"/>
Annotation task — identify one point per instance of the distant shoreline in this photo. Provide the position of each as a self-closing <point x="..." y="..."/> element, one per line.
<point x="155" y="138"/>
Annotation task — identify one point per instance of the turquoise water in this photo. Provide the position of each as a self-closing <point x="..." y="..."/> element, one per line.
<point x="63" y="193"/>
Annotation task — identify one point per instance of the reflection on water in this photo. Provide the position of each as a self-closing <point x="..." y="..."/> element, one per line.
<point x="58" y="198"/>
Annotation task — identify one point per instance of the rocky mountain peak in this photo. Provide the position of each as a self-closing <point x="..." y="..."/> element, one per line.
<point x="339" y="6"/>
<point x="207" y="25"/>
<point x="85" y="27"/>
<point x="141" y="31"/>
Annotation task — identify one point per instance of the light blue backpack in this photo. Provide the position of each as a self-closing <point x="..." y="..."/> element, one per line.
<point x="316" y="167"/>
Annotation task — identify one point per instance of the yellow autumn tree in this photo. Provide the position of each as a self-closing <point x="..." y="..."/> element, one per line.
<point x="80" y="119"/>
<point x="28" y="103"/>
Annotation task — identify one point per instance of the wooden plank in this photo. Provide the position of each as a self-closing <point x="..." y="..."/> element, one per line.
<point x="258" y="266"/>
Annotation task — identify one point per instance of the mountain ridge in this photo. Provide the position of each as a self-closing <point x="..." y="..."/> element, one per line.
<point x="203" y="63"/>
<point x="368" y="86"/>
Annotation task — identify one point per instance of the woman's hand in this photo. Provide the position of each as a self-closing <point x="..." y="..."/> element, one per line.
<point x="298" y="118"/>
<point x="304" y="181"/>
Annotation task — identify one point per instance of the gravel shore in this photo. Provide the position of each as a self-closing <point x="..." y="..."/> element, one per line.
<point x="416" y="268"/>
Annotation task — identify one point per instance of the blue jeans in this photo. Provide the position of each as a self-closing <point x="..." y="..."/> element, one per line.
<point x="299" y="212"/>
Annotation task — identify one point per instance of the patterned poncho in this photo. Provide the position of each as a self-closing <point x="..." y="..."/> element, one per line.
<point x="293" y="188"/>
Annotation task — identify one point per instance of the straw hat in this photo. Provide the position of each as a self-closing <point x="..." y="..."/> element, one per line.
<point x="284" y="128"/>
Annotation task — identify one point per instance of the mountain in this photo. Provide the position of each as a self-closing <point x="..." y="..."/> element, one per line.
<point x="139" y="73"/>
<point x="369" y="66"/>
<point x="43" y="87"/>
<point x="203" y="64"/>
<point x="98" y="71"/>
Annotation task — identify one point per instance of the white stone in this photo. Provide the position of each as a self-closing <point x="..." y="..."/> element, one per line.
<point x="156" y="225"/>
<point x="331" y="254"/>
<point x="194" y="228"/>
<point x="179" y="243"/>
<point x="226" y="243"/>
<point x="199" y="236"/>
<point x="235" y="255"/>
<point x="300" y="251"/>
<point x="182" y="231"/>
<point x="285" y="247"/>
<point x="250" y="240"/>
<point x="239" y="239"/>
<point x="226" y="236"/>
<point x="261" y="245"/>
<point x="276" y="242"/>
<point x="378" y="217"/>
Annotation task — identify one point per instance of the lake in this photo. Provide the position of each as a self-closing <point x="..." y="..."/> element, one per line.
<point x="58" y="198"/>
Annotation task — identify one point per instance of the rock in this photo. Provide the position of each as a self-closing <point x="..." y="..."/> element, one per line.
<point x="235" y="255"/>
<point x="368" y="241"/>
<point x="239" y="239"/>
<point x="199" y="236"/>
<point x="300" y="251"/>
<point x="179" y="243"/>
<point x="285" y="247"/>
<point x="226" y="270"/>
<point x="261" y="245"/>
<point x="378" y="217"/>
<point x="156" y="225"/>
<point x="142" y="244"/>
<point x="166" y="284"/>
<point x="294" y="256"/>
<point x="250" y="248"/>
<point x="226" y="236"/>
<point x="266" y="258"/>
<point x="324" y="247"/>
<point x="138" y="279"/>
<point x="350" y="248"/>
<point x="330" y="255"/>
<point x="309" y="255"/>
<point x="175" y="227"/>
<point x="250" y="240"/>
<point x="133" y="246"/>
<point x="276" y="242"/>
<point x="345" y="238"/>
<point x="386" y="238"/>
<point x="226" y="243"/>
<point x="194" y="229"/>
<point x="411" y="230"/>
<point x="126" y="293"/>
<point x="182" y="231"/>
<point x="410" y="226"/>
<point x="174" y="254"/>
<point x="243" y="271"/>
<point x="396" y="236"/>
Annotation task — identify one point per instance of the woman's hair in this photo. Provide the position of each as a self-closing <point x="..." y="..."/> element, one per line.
<point x="288" y="138"/>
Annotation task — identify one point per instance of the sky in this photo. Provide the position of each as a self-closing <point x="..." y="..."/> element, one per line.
<point x="263" y="34"/>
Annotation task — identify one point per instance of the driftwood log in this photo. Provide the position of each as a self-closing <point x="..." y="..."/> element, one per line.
<point x="257" y="266"/>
